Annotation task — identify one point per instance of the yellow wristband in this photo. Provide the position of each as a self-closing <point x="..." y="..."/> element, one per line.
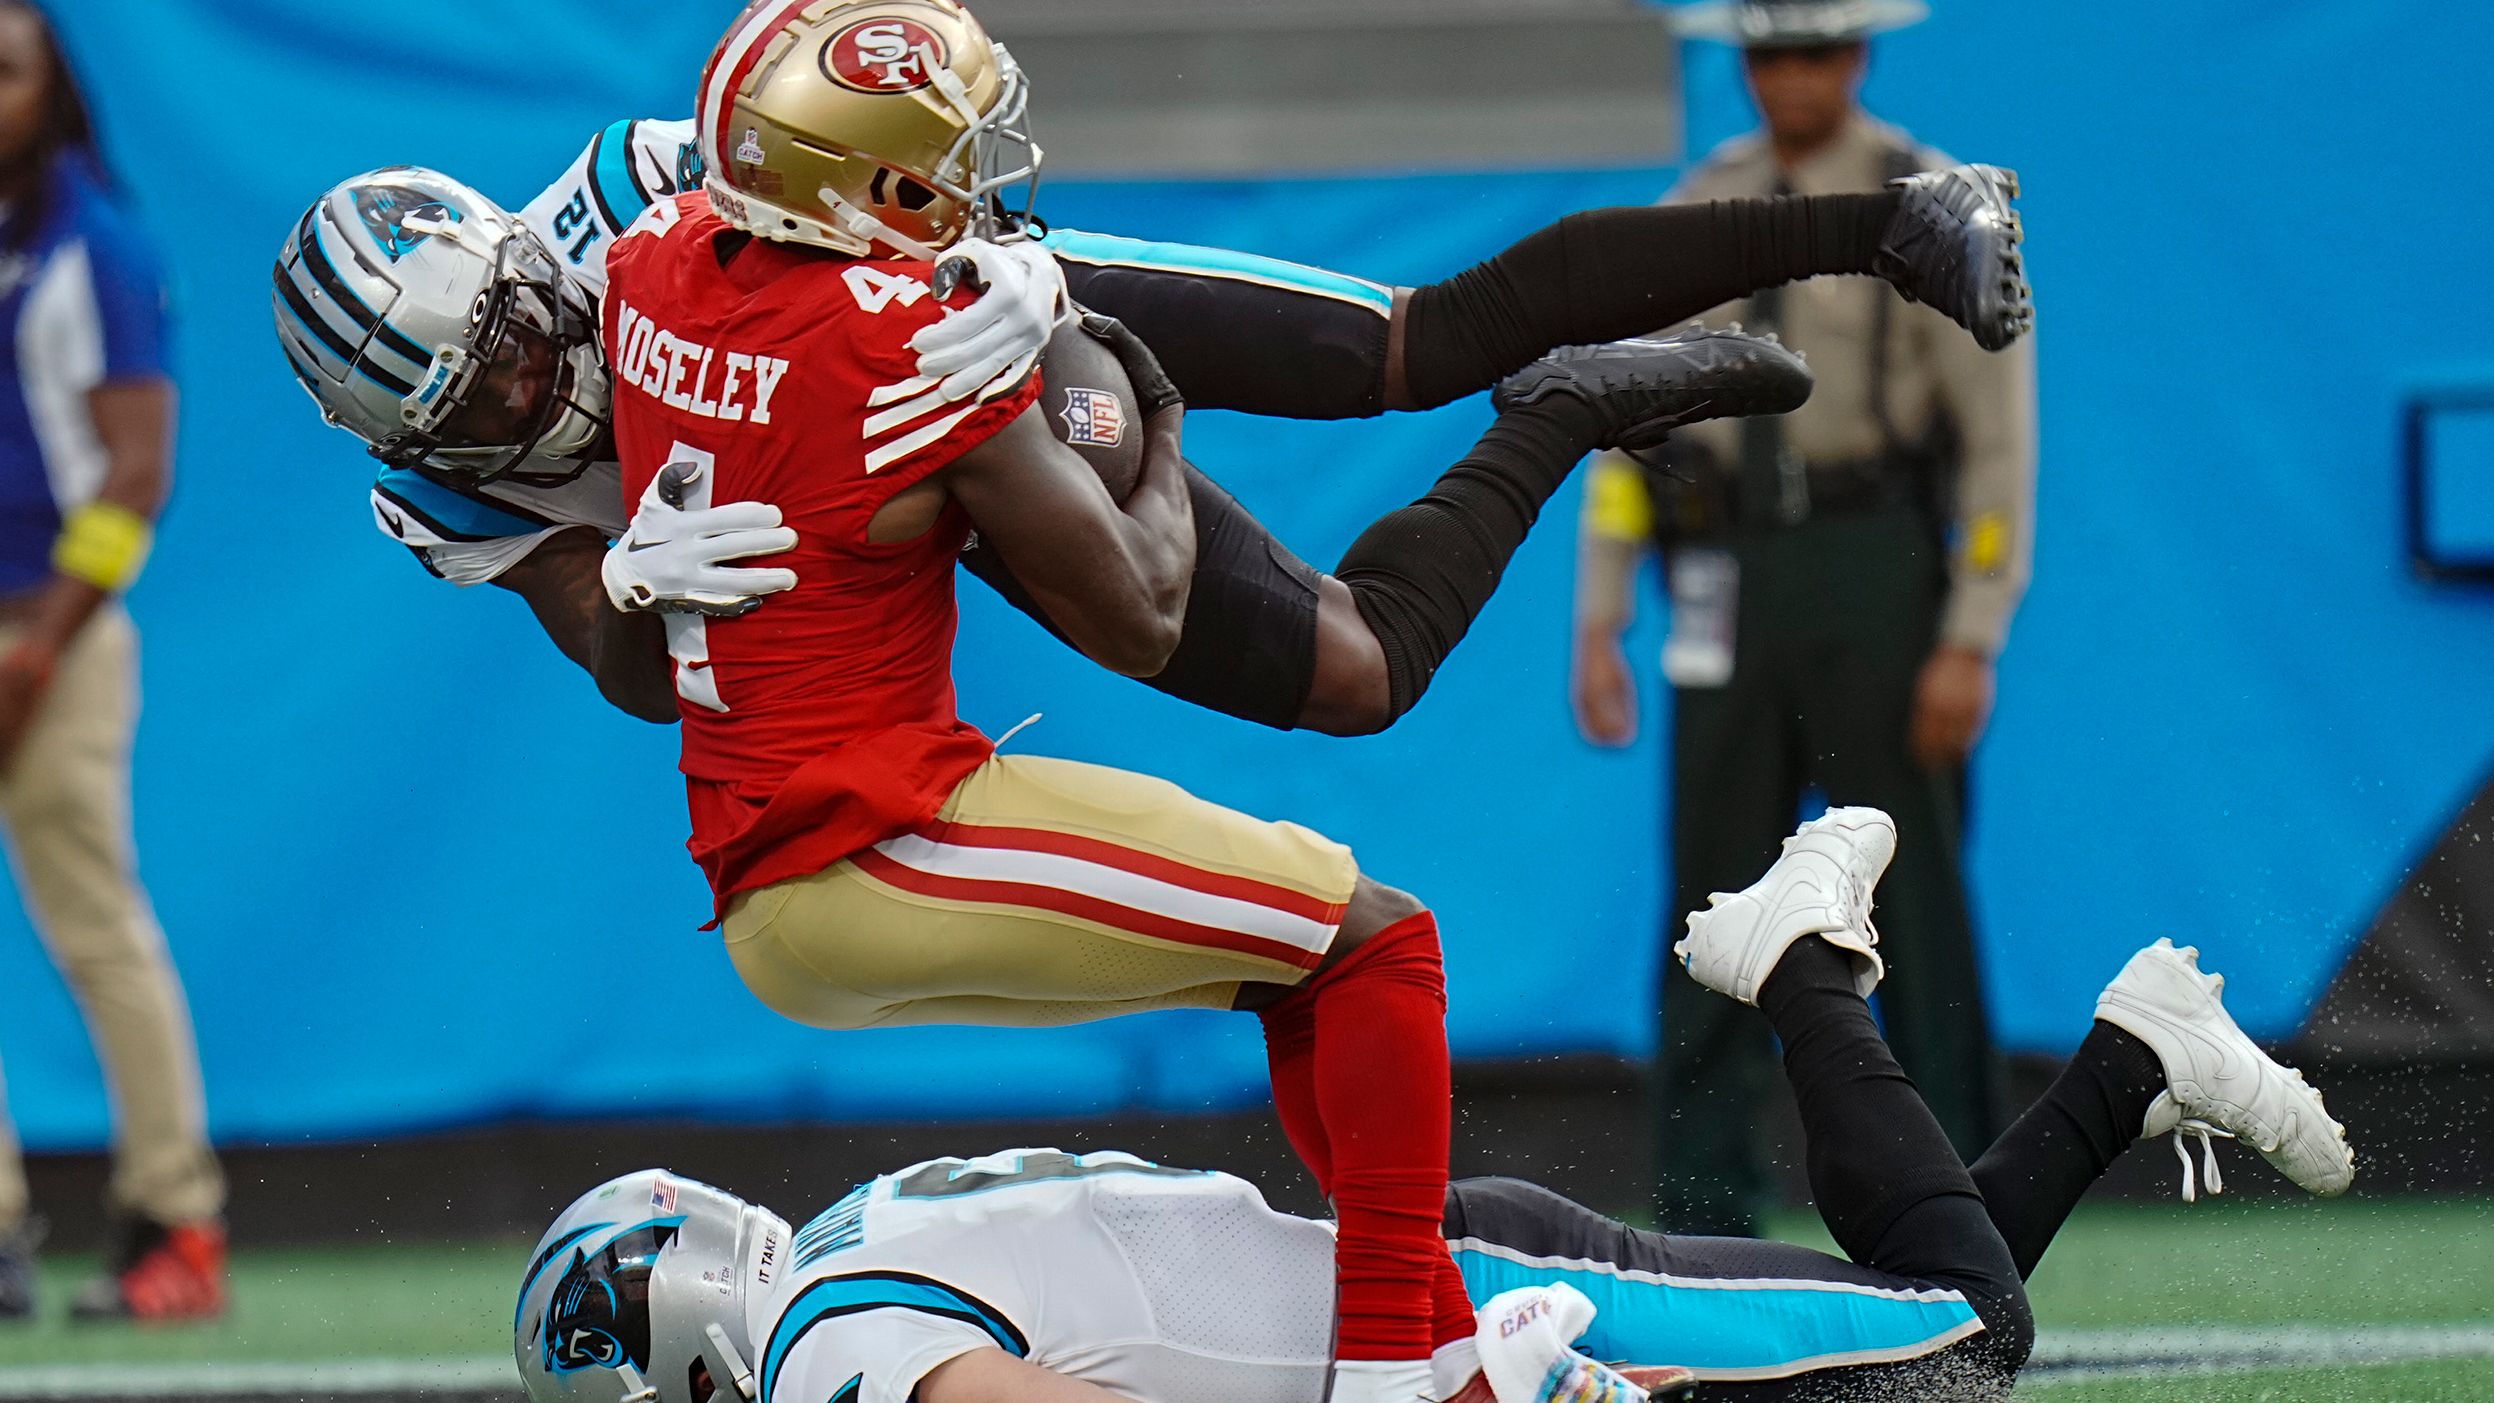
<point x="104" y="545"/>
<point x="1618" y="507"/>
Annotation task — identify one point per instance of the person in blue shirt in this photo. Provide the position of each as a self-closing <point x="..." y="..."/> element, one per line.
<point x="86" y="436"/>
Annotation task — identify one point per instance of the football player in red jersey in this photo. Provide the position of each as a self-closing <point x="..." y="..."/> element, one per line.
<point x="506" y="476"/>
<point x="875" y="862"/>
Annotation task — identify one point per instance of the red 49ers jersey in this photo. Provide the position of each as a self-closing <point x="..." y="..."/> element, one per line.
<point x="823" y="722"/>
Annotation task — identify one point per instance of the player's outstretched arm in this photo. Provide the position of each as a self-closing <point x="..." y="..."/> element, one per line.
<point x="993" y="1376"/>
<point x="626" y="653"/>
<point x="1113" y="579"/>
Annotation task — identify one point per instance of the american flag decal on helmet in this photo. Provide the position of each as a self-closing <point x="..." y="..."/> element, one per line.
<point x="1094" y="418"/>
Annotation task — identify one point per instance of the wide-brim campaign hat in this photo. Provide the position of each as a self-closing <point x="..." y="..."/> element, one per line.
<point x="1784" y="24"/>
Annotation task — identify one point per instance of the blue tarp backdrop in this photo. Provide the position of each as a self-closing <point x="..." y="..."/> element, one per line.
<point x="416" y="874"/>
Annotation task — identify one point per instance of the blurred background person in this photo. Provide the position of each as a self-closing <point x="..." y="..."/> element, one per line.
<point x="1842" y="579"/>
<point x="86" y="434"/>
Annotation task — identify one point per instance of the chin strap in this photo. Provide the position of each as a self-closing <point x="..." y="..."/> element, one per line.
<point x="739" y="1375"/>
<point x="636" y="1389"/>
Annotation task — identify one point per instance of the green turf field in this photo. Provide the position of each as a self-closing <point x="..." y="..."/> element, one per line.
<point x="2443" y="1381"/>
<point x="2239" y="1280"/>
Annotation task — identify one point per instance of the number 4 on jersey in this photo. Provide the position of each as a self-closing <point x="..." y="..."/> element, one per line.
<point x="876" y="289"/>
<point x="688" y="635"/>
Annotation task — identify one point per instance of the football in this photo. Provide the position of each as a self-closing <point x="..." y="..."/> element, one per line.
<point x="1090" y="404"/>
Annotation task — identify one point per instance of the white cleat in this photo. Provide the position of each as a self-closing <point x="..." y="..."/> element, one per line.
<point x="2217" y="1080"/>
<point x="1821" y="886"/>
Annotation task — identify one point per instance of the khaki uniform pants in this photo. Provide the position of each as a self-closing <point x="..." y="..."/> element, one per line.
<point x="66" y="803"/>
<point x="1046" y="892"/>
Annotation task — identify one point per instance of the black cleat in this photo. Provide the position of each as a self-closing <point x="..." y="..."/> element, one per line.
<point x="1953" y="245"/>
<point x="17" y="1269"/>
<point x="1646" y="387"/>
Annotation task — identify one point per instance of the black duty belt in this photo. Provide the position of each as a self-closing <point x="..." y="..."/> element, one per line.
<point x="1858" y="487"/>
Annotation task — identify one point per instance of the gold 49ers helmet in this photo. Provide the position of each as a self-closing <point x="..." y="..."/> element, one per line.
<point x="864" y="126"/>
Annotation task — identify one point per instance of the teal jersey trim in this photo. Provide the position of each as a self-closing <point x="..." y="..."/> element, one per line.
<point x="453" y="515"/>
<point x="619" y="185"/>
<point x="1730" y="1330"/>
<point x="1108" y="249"/>
<point x="837" y="1296"/>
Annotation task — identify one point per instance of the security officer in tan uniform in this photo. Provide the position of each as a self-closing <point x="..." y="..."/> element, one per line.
<point x="1842" y="580"/>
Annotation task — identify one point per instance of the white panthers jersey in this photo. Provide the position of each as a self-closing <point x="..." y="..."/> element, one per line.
<point x="469" y="533"/>
<point x="1168" y="1285"/>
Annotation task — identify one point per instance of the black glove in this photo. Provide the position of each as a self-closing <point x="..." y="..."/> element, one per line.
<point x="1153" y="390"/>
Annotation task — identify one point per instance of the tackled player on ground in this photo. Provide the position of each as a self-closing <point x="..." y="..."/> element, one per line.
<point x="1036" y="1276"/>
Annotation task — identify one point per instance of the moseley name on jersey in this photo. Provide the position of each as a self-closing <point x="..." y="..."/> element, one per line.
<point x="682" y="374"/>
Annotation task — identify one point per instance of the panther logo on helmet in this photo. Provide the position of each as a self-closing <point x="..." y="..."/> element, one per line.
<point x="884" y="56"/>
<point x="386" y="211"/>
<point x="591" y="1323"/>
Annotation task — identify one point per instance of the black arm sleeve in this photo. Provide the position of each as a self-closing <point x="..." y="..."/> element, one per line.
<point x="1234" y="344"/>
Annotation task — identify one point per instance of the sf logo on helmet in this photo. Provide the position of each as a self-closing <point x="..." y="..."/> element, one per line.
<point x="884" y="56"/>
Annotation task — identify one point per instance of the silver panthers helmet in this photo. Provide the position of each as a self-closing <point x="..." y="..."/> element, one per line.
<point x="642" y="1292"/>
<point x="432" y="324"/>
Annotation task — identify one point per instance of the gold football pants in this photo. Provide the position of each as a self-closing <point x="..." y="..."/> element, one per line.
<point x="1046" y="892"/>
<point x="66" y="802"/>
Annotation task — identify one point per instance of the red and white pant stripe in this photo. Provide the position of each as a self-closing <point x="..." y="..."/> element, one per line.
<point x="1107" y="884"/>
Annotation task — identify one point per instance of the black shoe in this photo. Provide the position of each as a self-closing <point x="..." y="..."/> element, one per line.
<point x="1954" y="246"/>
<point x="17" y="1269"/>
<point x="1644" y="388"/>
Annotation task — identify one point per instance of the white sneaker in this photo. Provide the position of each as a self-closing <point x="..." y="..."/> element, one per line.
<point x="2217" y="1081"/>
<point x="1821" y="886"/>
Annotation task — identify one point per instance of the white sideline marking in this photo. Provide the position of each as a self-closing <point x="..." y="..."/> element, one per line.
<point x="2059" y="1355"/>
<point x="2075" y="1354"/>
<point x="341" y="1377"/>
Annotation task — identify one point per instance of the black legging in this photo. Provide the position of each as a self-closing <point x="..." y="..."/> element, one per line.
<point x="1894" y="1195"/>
<point x="1235" y="343"/>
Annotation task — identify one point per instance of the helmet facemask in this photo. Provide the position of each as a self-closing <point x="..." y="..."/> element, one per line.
<point x="994" y="153"/>
<point x="528" y="380"/>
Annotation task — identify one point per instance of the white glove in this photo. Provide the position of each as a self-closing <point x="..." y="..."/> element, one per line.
<point x="1006" y="328"/>
<point x="670" y="559"/>
<point x="1525" y="1338"/>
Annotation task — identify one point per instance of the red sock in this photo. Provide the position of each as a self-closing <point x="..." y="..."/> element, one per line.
<point x="1451" y="1305"/>
<point x="1382" y="1091"/>
<point x="1290" y="1051"/>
